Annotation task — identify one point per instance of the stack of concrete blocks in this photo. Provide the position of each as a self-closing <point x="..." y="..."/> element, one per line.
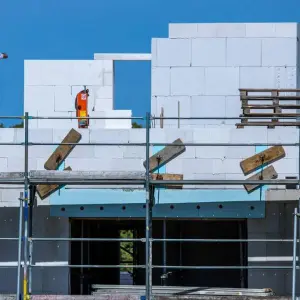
<point x="51" y="88"/>
<point x="202" y="67"/>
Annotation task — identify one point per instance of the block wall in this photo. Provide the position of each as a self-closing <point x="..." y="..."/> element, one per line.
<point x="51" y="86"/>
<point x="202" y="67"/>
<point x="213" y="162"/>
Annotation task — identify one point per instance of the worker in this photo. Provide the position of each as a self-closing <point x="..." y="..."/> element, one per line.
<point x="3" y="55"/>
<point x="81" y="106"/>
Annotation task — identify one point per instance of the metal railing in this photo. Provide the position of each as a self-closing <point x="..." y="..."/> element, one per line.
<point x="150" y="185"/>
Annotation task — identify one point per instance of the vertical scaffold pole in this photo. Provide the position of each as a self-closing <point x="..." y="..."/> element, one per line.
<point x="295" y="254"/>
<point x="18" y="297"/>
<point x="26" y="197"/>
<point x="30" y="232"/>
<point x="148" y="215"/>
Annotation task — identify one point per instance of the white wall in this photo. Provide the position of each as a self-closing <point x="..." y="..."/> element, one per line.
<point x="202" y="66"/>
<point x="52" y="85"/>
<point x="196" y="163"/>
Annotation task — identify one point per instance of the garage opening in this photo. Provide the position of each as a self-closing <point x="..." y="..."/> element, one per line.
<point x="110" y="253"/>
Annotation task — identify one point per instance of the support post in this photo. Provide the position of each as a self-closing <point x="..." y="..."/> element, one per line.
<point x="148" y="215"/>
<point x="165" y="275"/>
<point x="294" y="254"/>
<point x="18" y="296"/>
<point x="32" y="190"/>
<point x="81" y="258"/>
<point x="26" y="192"/>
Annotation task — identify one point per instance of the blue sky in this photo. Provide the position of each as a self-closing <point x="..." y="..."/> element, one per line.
<point x="75" y="29"/>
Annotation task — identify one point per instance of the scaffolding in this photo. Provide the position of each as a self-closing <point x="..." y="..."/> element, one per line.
<point x="30" y="179"/>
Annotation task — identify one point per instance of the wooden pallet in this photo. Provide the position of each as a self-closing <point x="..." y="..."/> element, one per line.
<point x="277" y="105"/>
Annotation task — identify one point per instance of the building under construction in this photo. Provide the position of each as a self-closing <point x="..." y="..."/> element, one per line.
<point x="202" y="200"/>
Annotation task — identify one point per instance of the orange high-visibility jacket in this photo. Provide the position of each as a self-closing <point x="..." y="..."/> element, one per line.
<point x="81" y="106"/>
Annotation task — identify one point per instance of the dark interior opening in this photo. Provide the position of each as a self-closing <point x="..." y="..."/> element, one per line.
<point x="178" y="253"/>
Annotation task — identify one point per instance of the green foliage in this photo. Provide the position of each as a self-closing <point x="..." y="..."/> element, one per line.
<point x="126" y="250"/>
<point x="20" y="125"/>
<point x="136" y="125"/>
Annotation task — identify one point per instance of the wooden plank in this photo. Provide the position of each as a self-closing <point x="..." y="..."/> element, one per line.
<point x="267" y="174"/>
<point x="261" y="159"/>
<point x="269" y="90"/>
<point x="296" y="115"/>
<point x="166" y="155"/>
<point x="62" y="151"/>
<point x="45" y="190"/>
<point x="256" y="98"/>
<point x="270" y="106"/>
<point x="268" y="124"/>
<point x="167" y="176"/>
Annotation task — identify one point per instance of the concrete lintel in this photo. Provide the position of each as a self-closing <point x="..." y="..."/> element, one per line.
<point x="122" y="56"/>
<point x="282" y="195"/>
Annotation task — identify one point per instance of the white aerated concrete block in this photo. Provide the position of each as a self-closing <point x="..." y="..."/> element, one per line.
<point x="63" y="99"/>
<point x="244" y="52"/>
<point x="109" y="152"/>
<point x="3" y="164"/>
<point x="138" y="135"/>
<point x="97" y="123"/>
<point x="207" y="29"/>
<point x="35" y="135"/>
<point x="208" y="106"/>
<point x="283" y="135"/>
<point x="286" y="166"/>
<point x="228" y="30"/>
<point x="14" y="151"/>
<point x="101" y="92"/>
<point x="260" y="30"/>
<point x="118" y="123"/>
<point x="212" y="135"/>
<point x="172" y="52"/>
<point x="103" y="104"/>
<point x="232" y="108"/>
<point x="211" y="152"/>
<point x="173" y="107"/>
<point x="108" y="65"/>
<point x="10" y="197"/>
<point x="257" y="77"/>
<point x="63" y="72"/>
<point x="39" y="151"/>
<point x="249" y="135"/>
<point x="161" y="81"/>
<point x="183" y="30"/>
<point x="231" y="166"/>
<point x="279" y="52"/>
<point x="59" y="134"/>
<point x="241" y="152"/>
<point x="108" y="78"/>
<point x="187" y="81"/>
<point x="222" y="81"/>
<point x="83" y="152"/>
<point x="7" y="135"/>
<point x="39" y="98"/>
<point x="286" y="30"/>
<point x="208" y="52"/>
<point x="135" y="152"/>
<point x="18" y="164"/>
<point x="109" y="136"/>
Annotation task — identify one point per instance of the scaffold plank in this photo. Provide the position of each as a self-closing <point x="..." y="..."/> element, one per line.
<point x="165" y="155"/>
<point x="62" y="151"/>
<point x="267" y="173"/>
<point x="45" y="190"/>
<point x="88" y="175"/>
<point x="166" y="176"/>
<point x="263" y="158"/>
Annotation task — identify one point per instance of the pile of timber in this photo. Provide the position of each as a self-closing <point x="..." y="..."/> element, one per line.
<point x="269" y="103"/>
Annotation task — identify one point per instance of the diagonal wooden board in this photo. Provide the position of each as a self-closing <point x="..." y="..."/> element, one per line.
<point x="166" y="155"/>
<point x="45" y="190"/>
<point x="269" y="155"/>
<point x="62" y="151"/>
<point x="167" y="176"/>
<point x="267" y="174"/>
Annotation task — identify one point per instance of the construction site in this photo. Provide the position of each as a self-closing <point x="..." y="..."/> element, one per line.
<point x="200" y="202"/>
